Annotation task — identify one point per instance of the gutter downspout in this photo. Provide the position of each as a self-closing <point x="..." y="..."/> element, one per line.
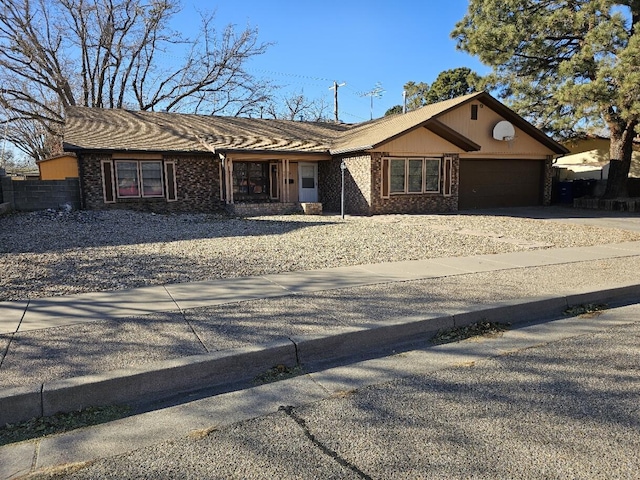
<point x="226" y="170"/>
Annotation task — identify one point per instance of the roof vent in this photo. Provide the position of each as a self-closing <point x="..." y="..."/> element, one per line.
<point x="504" y="131"/>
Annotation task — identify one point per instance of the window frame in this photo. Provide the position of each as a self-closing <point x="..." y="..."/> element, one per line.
<point x="139" y="178"/>
<point x="474" y="111"/>
<point x="247" y="185"/>
<point x="387" y="169"/>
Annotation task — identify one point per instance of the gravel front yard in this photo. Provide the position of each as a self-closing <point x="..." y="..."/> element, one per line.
<point x="55" y="253"/>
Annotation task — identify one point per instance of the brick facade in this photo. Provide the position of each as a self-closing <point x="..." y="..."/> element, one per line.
<point x="329" y="185"/>
<point x="197" y="181"/>
<point x="413" y="203"/>
<point x="260" y="209"/>
<point x="363" y="189"/>
<point x="198" y="188"/>
<point x="357" y="184"/>
<point x="548" y="181"/>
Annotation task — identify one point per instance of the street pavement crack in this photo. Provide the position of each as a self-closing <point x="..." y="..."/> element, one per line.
<point x="184" y="317"/>
<point x="36" y="453"/>
<point x="289" y="411"/>
<point x="295" y="346"/>
<point x="13" y="334"/>
<point x="6" y="350"/>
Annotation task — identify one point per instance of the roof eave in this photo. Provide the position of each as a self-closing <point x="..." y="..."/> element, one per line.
<point x="67" y="147"/>
<point x="341" y="151"/>
<point x="451" y="136"/>
<point x="268" y="151"/>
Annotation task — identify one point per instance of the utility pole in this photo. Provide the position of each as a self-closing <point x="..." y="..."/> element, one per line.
<point x="335" y="98"/>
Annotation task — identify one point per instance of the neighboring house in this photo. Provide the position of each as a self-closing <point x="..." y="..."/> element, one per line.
<point x="469" y="152"/>
<point x="588" y="158"/>
<point x="59" y="167"/>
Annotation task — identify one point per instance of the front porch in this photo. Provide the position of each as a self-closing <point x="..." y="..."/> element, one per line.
<point x="267" y="181"/>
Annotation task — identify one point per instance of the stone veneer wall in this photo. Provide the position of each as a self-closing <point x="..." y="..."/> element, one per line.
<point x="548" y="181"/>
<point x="357" y="184"/>
<point x="412" y="203"/>
<point x="197" y="179"/>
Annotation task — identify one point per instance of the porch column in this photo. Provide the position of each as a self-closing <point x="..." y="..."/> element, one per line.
<point x="229" y="179"/>
<point x="285" y="180"/>
<point x="288" y="180"/>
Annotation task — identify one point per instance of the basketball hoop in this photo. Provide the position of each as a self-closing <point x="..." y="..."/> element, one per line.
<point x="509" y="140"/>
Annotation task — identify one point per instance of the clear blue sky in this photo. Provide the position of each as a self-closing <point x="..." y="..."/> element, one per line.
<point x="358" y="42"/>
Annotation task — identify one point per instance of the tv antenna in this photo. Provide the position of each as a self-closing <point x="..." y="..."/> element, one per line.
<point x="376" y="92"/>
<point x="335" y="87"/>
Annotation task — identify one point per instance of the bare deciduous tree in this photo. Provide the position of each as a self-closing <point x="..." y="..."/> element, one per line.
<point x="298" y="107"/>
<point x="117" y="54"/>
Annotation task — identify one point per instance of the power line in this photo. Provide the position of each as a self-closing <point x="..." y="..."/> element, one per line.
<point x="288" y="74"/>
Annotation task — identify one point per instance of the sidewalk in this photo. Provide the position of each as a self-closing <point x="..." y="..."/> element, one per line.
<point x="65" y="353"/>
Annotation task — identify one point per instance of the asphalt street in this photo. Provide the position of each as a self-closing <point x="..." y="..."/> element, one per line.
<point x="564" y="407"/>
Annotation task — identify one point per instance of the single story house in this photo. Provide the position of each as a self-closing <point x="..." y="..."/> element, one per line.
<point x="465" y="153"/>
<point x="588" y="158"/>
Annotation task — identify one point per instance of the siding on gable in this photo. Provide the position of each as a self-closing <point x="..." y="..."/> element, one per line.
<point x="481" y="132"/>
<point x="418" y="142"/>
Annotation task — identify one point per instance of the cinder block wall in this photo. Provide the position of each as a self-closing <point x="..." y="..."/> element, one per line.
<point x="30" y="195"/>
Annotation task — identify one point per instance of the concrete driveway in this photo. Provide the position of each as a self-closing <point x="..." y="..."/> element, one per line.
<point x="599" y="218"/>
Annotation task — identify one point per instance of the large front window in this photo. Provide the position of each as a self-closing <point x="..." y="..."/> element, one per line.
<point x="414" y="175"/>
<point x="139" y="179"/>
<point x="250" y="180"/>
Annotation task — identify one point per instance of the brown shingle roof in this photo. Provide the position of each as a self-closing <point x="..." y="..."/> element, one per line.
<point x="124" y="130"/>
<point x="116" y="129"/>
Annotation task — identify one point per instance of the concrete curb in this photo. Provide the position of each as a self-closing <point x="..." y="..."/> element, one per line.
<point x="134" y="385"/>
<point x="166" y="378"/>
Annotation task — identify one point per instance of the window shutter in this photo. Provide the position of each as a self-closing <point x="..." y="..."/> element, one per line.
<point x="447" y="175"/>
<point x="170" y="180"/>
<point x="108" y="186"/>
<point x="385" y="178"/>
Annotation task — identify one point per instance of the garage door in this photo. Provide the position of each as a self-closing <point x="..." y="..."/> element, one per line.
<point x="500" y="183"/>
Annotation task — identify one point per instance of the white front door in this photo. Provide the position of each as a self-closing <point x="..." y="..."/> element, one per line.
<point x="308" y="182"/>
